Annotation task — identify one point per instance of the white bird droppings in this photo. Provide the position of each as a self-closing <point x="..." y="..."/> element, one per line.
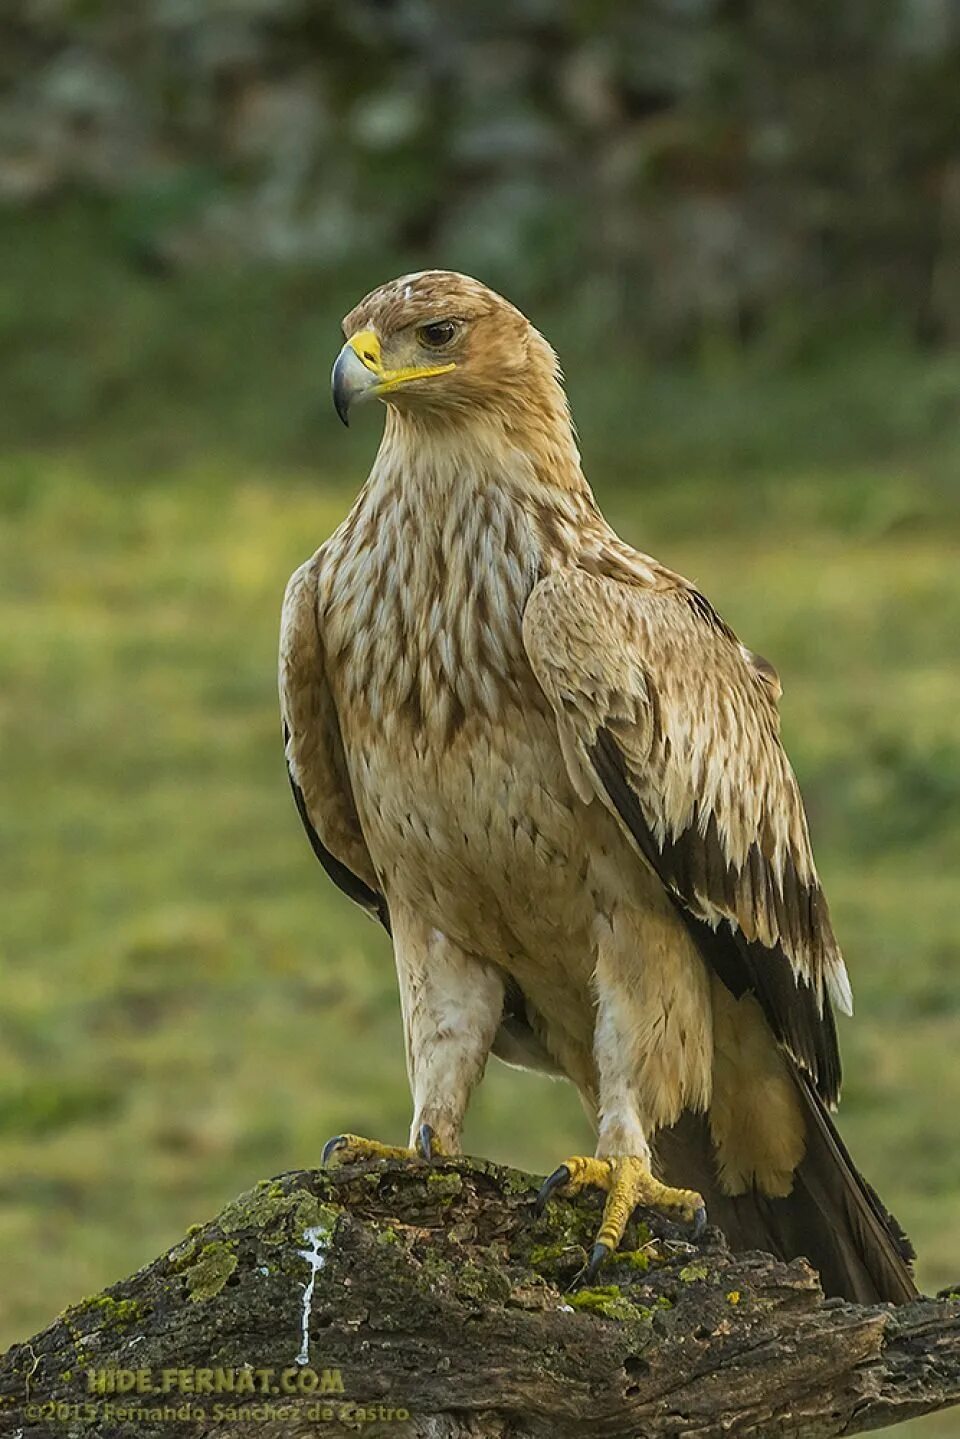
<point x="316" y="1258"/>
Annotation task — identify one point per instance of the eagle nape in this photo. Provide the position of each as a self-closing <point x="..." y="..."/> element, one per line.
<point x="628" y="1183"/>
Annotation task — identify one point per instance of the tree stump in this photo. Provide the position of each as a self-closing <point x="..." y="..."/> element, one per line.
<point x="415" y="1299"/>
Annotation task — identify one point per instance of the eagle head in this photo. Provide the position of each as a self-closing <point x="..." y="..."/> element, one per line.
<point x="440" y="344"/>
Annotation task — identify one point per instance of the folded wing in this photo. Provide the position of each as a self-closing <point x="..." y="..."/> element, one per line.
<point x="316" y="763"/>
<point x="674" y="725"/>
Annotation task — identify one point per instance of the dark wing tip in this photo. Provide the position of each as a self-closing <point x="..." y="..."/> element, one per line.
<point x="352" y="885"/>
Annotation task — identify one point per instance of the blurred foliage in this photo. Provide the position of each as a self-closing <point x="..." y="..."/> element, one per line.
<point x="145" y="370"/>
<point x="688" y="171"/>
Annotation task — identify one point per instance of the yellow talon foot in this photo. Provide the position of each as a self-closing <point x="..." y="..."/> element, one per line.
<point x="352" y="1148"/>
<point x="628" y="1182"/>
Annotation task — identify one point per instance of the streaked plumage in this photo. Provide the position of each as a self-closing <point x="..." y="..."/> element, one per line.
<point x="549" y="767"/>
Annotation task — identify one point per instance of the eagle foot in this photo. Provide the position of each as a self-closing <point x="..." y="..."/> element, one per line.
<point x="628" y="1182"/>
<point x="352" y="1148"/>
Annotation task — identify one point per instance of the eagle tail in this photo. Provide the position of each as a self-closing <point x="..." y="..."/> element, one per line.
<point x="832" y="1217"/>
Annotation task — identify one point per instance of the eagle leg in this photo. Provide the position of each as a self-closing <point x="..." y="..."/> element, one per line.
<point x="353" y="1148"/>
<point x="628" y="1182"/>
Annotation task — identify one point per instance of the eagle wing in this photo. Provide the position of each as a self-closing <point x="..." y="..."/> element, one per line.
<point x="316" y="763"/>
<point x="674" y="725"/>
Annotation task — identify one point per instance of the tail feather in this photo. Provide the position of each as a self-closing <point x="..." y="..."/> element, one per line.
<point x="875" y="1255"/>
<point x="832" y="1216"/>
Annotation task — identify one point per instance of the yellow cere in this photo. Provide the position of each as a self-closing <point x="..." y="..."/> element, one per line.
<point x="366" y="346"/>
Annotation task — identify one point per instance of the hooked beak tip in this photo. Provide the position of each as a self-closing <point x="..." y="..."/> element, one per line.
<point x="351" y="381"/>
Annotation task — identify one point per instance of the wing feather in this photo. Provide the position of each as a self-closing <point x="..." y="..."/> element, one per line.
<point x="677" y="726"/>
<point x="316" y="763"/>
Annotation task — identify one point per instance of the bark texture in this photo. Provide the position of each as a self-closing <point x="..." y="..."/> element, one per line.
<point x="443" y="1306"/>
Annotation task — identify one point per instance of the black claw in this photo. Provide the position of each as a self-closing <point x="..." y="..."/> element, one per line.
<point x="556" y="1180"/>
<point x="699" y="1222"/>
<point x="331" y="1147"/>
<point x="425" y="1135"/>
<point x="598" y="1255"/>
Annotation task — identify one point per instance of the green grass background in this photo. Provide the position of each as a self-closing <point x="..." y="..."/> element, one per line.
<point x="187" y="1004"/>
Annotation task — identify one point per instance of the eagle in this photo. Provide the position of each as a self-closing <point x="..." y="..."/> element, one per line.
<point x="553" y="773"/>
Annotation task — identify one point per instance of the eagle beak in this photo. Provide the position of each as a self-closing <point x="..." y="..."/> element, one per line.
<point x="359" y="373"/>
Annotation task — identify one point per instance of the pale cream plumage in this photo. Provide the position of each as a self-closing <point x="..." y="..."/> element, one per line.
<point x="551" y="769"/>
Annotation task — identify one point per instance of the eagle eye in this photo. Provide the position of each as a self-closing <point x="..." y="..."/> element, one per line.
<point x="435" y="336"/>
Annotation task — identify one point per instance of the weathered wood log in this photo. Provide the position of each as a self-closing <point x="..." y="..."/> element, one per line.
<point x="433" y="1299"/>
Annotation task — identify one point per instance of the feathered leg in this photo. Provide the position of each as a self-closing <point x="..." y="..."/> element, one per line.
<point x="452" y="1005"/>
<point x="653" y="1053"/>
